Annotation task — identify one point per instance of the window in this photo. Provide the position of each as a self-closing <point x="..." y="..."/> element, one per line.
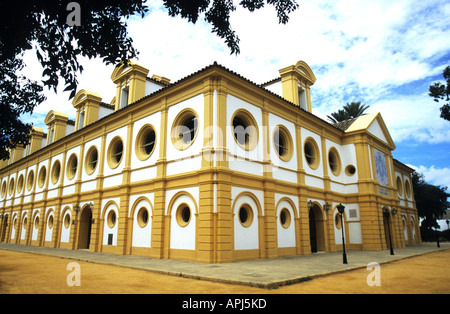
<point x="30" y="180"/>
<point x="81" y="119"/>
<point x="245" y="129"/>
<point x="124" y="97"/>
<point x="91" y="160"/>
<point x="50" y="222"/>
<point x="42" y="176"/>
<point x="334" y="161"/>
<point x="350" y="170"/>
<point x="72" y="165"/>
<point x="20" y="184"/>
<point x="302" y="98"/>
<point x="36" y="222"/>
<point x="115" y="152"/>
<point x="111" y="219"/>
<point x="142" y="217"/>
<point x="184" y="129"/>
<point x="67" y="221"/>
<point x="11" y="186"/>
<point x="282" y="142"/>
<point x="3" y="188"/>
<point x="245" y="215"/>
<point x="285" y="218"/>
<point x="311" y="151"/>
<point x="407" y="189"/>
<point x="145" y="142"/>
<point x="183" y="215"/>
<point x="56" y="171"/>
<point x="399" y="186"/>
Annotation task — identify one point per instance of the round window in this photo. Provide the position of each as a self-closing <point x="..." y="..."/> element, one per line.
<point x="36" y="222"/>
<point x="115" y="152"/>
<point x="282" y="141"/>
<point x="142" y="217"/>
<point x="3" y="188"/>
<point x="407" y="189"/>
<point x="285" y="218"/>
<point x="311" y="151"/>
<point x="56" y="171"/>
<point x="30" y="180"/>
<point x="350" y="170"/>
<point x="67" y="221"/>
<point x="245" y="215"/>
<point x="183" y="215"/>
<point x="50" y="222"/>
<point x="184" y="129"/>
<point x="334" y="162"/>
<point x="91" y="160"/>
<point x="111" y="219"/>
<point x="145" y="142"/>
<point x="72" y="165"/>
<point x="245" y="129"/>
<point x="20" y="184"/>
<point x="399" y="186"/>
<point x="11" y="186"/>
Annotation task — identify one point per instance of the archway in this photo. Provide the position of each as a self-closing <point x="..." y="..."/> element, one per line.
<point x="84" y="233"/>
<point x="316" y="229"/>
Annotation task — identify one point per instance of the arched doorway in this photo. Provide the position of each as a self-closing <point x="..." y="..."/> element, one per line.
<point x="84" y="233"/>
<point x="316" y="229"/>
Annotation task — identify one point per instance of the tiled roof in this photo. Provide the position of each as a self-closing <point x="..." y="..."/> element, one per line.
<point x="344" y="125"/>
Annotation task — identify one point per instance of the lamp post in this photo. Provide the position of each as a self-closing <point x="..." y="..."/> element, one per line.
<point x="387" y="214"/>
<point x="340" y="209"/>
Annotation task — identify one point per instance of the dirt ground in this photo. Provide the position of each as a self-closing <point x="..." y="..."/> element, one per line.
<point x="31" y="273"/>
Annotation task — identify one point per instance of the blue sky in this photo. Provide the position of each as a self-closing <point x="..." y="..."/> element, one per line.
<point x="383" y="53"/>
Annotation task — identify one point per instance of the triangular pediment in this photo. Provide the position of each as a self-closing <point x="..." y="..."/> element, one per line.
<point x="374" y="124"/>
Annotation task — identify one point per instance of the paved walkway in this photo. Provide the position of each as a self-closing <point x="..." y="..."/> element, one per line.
<point x="263" y="273"/>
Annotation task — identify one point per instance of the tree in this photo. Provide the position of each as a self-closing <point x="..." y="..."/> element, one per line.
<point x="431" y="200"/>
<point x="62" y="30"/>
<point x="349" y="111"/>
<point x="441" y="92"/>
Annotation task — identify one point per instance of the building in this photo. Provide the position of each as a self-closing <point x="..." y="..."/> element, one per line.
<point x="212" y="168"/>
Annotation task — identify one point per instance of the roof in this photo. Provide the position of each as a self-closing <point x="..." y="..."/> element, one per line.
<point x="344" y="125"/>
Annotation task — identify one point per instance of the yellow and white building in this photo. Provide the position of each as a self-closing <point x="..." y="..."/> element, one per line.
<point x="212" y="168"/>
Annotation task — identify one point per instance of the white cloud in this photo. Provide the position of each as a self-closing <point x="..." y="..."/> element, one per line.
<point x="433" y="175"/>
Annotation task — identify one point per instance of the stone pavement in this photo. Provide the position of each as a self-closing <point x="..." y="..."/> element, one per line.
<point x="262" y="273"/>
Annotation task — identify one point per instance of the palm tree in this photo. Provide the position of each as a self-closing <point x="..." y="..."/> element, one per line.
<point x="349" y="111"/>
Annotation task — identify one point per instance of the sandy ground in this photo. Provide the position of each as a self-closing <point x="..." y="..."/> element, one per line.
<point x="32" y="273"/>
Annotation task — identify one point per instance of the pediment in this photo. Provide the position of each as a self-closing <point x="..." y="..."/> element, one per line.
<point x="374" y="124"/>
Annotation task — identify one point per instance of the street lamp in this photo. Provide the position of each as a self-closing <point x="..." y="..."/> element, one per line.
<point x="340" y="209"/>
<point x="387" y="214"/>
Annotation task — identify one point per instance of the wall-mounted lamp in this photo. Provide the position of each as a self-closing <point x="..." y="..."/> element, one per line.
<point x="310" y="204"/>
<point x="327" y="206"/>
<point x="76" y="208"/>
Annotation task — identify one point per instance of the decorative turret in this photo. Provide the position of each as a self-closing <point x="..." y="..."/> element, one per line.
<point x="296" y="82"/>
<point x="130" y="80"/>
<point x="87" y="104"/>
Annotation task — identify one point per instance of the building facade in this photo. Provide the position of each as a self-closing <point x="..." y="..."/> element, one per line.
<point x="212" y="168"/>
